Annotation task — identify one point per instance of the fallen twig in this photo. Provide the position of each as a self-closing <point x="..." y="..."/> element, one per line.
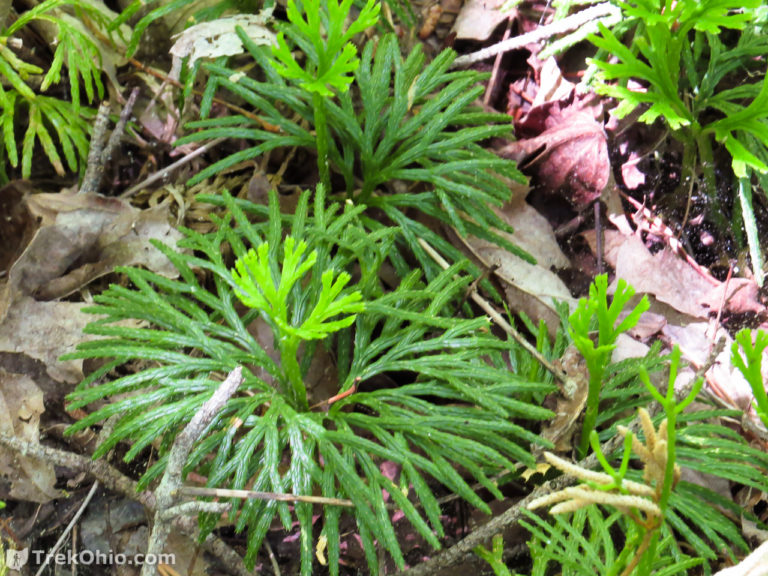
<point x="170" y="485"/>
<point x="498" y="318"/>
<point x="113" y="480"/>
<point x="165" y="172"/>
<point x="246" y="494"/>
<point x="102" y="148"/>
<point x="607" y="12"/>
<point x="68" y="529"/>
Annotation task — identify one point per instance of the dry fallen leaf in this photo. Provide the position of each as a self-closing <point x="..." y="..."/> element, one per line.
<point x="723" y="379"/>
<point x="84" y="236"/>
<point x="43" y="331"/>
<point x="219" y="38"/>
<point x="674" y="281"/>
<point x="570" y="401"/>
<point x="531" y="288"/>
<point x="664" y="275"/>
<point x="478" y="19"/>
<point x="23" y="478"/>
<point x="566" y="147"/>
<point x="553" y="86"/>
<point x="80" y="238"/>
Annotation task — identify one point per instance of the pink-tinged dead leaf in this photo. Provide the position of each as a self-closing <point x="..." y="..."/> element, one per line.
<point x="159" y="114"/>
<point x="553" y="87"/>
<point x="723" y="380"/>
<point x="742" y="297"/>
<point x="565" y="146"/>
<point x="531" y="288"/>
<point x="647" y="326"/>
<point x="390" y="469"/>
<point x="717" y="484"/>
<point x="673" y="280"/>
<point x="24" y="478"/>
<point x="570" y="401"/>
<point x="631" y="174"/>
<point x="548" y="84"/>
<point x="478" y="19"/>
<point x="519" y="95"/>
<point x="666" y="276"/>
<point x="627" y="347"/>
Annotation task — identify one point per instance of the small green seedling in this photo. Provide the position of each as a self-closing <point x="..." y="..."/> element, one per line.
<point x="330" y="63"/>
<point x="259" y="289"/>
<point x="751" y="365"/>
<point x="592" y="311"/>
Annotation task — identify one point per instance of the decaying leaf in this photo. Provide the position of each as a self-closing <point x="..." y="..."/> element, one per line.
<point x="564" y="144"/>
<point x="570" y="401"/>
<point x="674" y="281"/>
<point x="553" y="86"/>
<point x="219" y="38"/>
<point x="44" y="331"/>
<point x="478" y="19"/>
<point x="723" y="379"/>
<point x="83" y="237"/>
<point x="21" y="477"/>
<point x="80" y="237"/>
<point x="531" y="288"/>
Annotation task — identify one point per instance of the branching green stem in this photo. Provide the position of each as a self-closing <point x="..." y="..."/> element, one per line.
<point x="289" y="350"/>
<point x="596" y="372"/>
<point x="597" y="357"/>
<point x="706" y="159"/>
<point x="672" y="409"/>
<point x="321" y="137"/>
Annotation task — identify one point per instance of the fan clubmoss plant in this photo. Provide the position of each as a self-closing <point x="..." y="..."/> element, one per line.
<point x="258" y="289"/>
<point x="50" y="118"/>
<point x="378" y="125"/>
<point x="458" y="409"/>
<point x="702" y="89"/>
<point x="331" y="62"/>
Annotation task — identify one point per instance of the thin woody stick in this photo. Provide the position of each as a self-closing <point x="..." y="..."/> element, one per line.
<point x="171" y="482"/>
<point x="609" y="14"/>
<point x="246" y="494"/>
<point x="102" y="148"/>
<point x="499" y="319"/>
